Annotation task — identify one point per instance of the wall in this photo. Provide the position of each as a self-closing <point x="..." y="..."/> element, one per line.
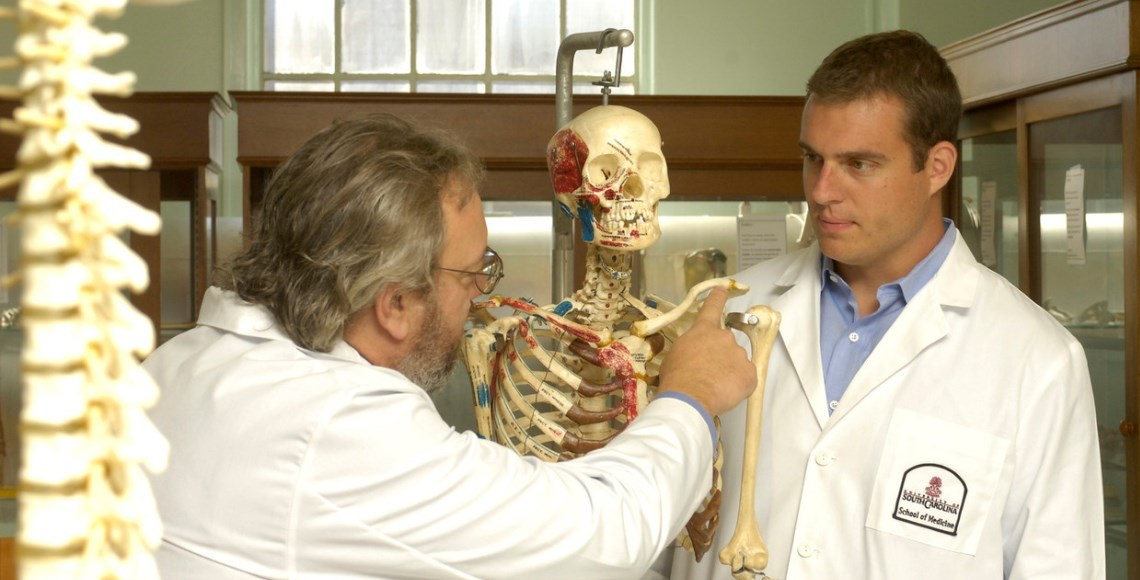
<point x="947" y="21"/>
<point x="771" y="47"/>
<point x="172" y="47"/>
<point x="746" y="47"/>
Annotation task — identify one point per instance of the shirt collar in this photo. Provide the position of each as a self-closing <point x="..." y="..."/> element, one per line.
<point x="225" y="310"/>
<point x="918" y="276"/>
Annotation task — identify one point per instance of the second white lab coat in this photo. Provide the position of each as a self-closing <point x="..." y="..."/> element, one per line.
<point x="965" y="447"/>
<point x="289" y="463"/>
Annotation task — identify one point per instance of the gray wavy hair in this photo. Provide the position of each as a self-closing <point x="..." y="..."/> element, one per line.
<point x="356" y="208"/>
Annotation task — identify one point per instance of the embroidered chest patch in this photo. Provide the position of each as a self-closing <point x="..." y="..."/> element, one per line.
<point x="931" y="496"/>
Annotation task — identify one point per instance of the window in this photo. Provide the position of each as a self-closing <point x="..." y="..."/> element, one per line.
<point x="447" y="46"/>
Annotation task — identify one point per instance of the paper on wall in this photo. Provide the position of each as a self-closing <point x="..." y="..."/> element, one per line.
<point x="1075" y="215"/>
<point x="759" y="238"/>
<point x="988" y="211"/>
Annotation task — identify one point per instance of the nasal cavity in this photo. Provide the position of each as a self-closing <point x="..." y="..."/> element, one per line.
<point x="633" y="187"/>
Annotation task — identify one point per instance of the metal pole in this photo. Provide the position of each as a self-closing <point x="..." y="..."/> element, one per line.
<point x="562" y="271"/>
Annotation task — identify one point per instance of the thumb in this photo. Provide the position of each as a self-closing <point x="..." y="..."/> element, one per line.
<point x="713" y="308"/>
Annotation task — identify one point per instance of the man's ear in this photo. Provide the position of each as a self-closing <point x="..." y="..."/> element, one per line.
<point x="940" y="163"/>
<point x="395" y="310"/>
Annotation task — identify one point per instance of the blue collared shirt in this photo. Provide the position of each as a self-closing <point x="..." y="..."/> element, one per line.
<point x="845" y="340"/>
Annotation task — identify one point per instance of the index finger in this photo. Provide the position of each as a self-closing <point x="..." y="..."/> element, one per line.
<point x="713" y="308"/>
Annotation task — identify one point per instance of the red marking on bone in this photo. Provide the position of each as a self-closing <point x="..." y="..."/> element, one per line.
<point x="629" y="397"/>
<point x="565" y="159"/>
<point x="556" y="321"/>
<point x="636" y="234"/>
<point x="494" y="386"/>
<point x="616" y="358"/>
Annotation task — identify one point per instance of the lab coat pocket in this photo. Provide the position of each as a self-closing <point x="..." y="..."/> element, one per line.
<point x="936" y="482"/>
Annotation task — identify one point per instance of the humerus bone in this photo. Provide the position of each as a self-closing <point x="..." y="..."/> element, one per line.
<point x="746" y="553"/>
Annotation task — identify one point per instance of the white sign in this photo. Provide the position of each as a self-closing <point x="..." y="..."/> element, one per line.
<point x="1075" y="215"/>
<point x="759" y="238"/>
<point x="988" y="213"/>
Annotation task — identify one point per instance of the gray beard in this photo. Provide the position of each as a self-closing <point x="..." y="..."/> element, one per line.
<point x="433" y="356"/>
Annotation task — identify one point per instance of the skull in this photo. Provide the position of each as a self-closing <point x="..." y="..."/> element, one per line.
<point x="607" y="163"/>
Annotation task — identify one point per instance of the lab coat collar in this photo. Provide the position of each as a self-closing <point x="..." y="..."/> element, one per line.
<point x="921" y="323"/>
<point x="225" y="310"/>
<point x="798" y="286"/>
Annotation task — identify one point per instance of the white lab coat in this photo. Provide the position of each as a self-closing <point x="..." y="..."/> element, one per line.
<point x="291" y="463"/>
<point x="973" y="385"/>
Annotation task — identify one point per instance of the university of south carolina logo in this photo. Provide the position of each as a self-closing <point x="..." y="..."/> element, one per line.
<point x="935" y="487"/>
<point x="931" y="496"/>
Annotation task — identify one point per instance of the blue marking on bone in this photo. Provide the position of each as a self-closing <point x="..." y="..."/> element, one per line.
<point x="563" y="307"/>
<point x="587" y="216"/>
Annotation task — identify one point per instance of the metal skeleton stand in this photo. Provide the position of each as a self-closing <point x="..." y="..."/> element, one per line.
<point x="562" y="271"/>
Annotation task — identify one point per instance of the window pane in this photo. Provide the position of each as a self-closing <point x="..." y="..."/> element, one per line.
<point x="524" y="37"/>
<point x="595" y="15"/>
<point x="308" y="86"/>
<point x="299" y="36"/>
<point x="1084" y="287"/>
<point x="450" y="36"/>
<point x="523" y="87"/>
<point x="376" y="87"/>
<point x="375" y="36"/>
<point x="449" y="87"/>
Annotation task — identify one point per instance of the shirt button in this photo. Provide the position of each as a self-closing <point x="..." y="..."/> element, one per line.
<point x="834" y="279"/>
<point x="853" y="337"/>
<point x="834" y="405"/>
<point x="805" y="550"/>
<point x="823" y="459"/>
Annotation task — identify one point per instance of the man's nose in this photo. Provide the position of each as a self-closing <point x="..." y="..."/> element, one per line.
<point x="821" y="185"/>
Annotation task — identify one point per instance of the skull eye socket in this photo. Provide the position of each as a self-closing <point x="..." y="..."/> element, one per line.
<point x="602" y="168"/>
<point x="651" y="167"/>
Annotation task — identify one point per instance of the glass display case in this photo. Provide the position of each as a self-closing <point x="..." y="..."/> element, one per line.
<point x="987" y="211"/>
<point x="1050" y="169"/>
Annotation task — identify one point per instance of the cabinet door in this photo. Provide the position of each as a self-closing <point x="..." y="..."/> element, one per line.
<point x="1076" y="174"/>
<point x="988" y="210"/>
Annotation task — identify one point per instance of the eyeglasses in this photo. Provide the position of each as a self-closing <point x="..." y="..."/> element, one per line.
<point x="489" y="275"/>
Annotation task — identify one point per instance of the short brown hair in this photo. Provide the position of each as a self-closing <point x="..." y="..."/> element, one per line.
<point x="900" y="64"/>
<point x="356" y="208"/>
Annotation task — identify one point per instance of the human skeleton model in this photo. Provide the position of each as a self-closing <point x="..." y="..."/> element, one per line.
<point x="559" y="381"/>
<point x="86" y="510"/>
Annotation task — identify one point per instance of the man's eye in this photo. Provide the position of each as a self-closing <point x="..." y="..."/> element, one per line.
<point x="859" y="165"/>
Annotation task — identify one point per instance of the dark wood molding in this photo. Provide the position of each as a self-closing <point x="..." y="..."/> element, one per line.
<point x="174" y="128"/>
<point x="718" y="147"/>
<point x="1066" y="44"/>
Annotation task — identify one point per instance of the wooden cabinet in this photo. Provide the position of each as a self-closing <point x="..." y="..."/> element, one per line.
<point x="718" y="148"/>
<point x="1047" y="196"/>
